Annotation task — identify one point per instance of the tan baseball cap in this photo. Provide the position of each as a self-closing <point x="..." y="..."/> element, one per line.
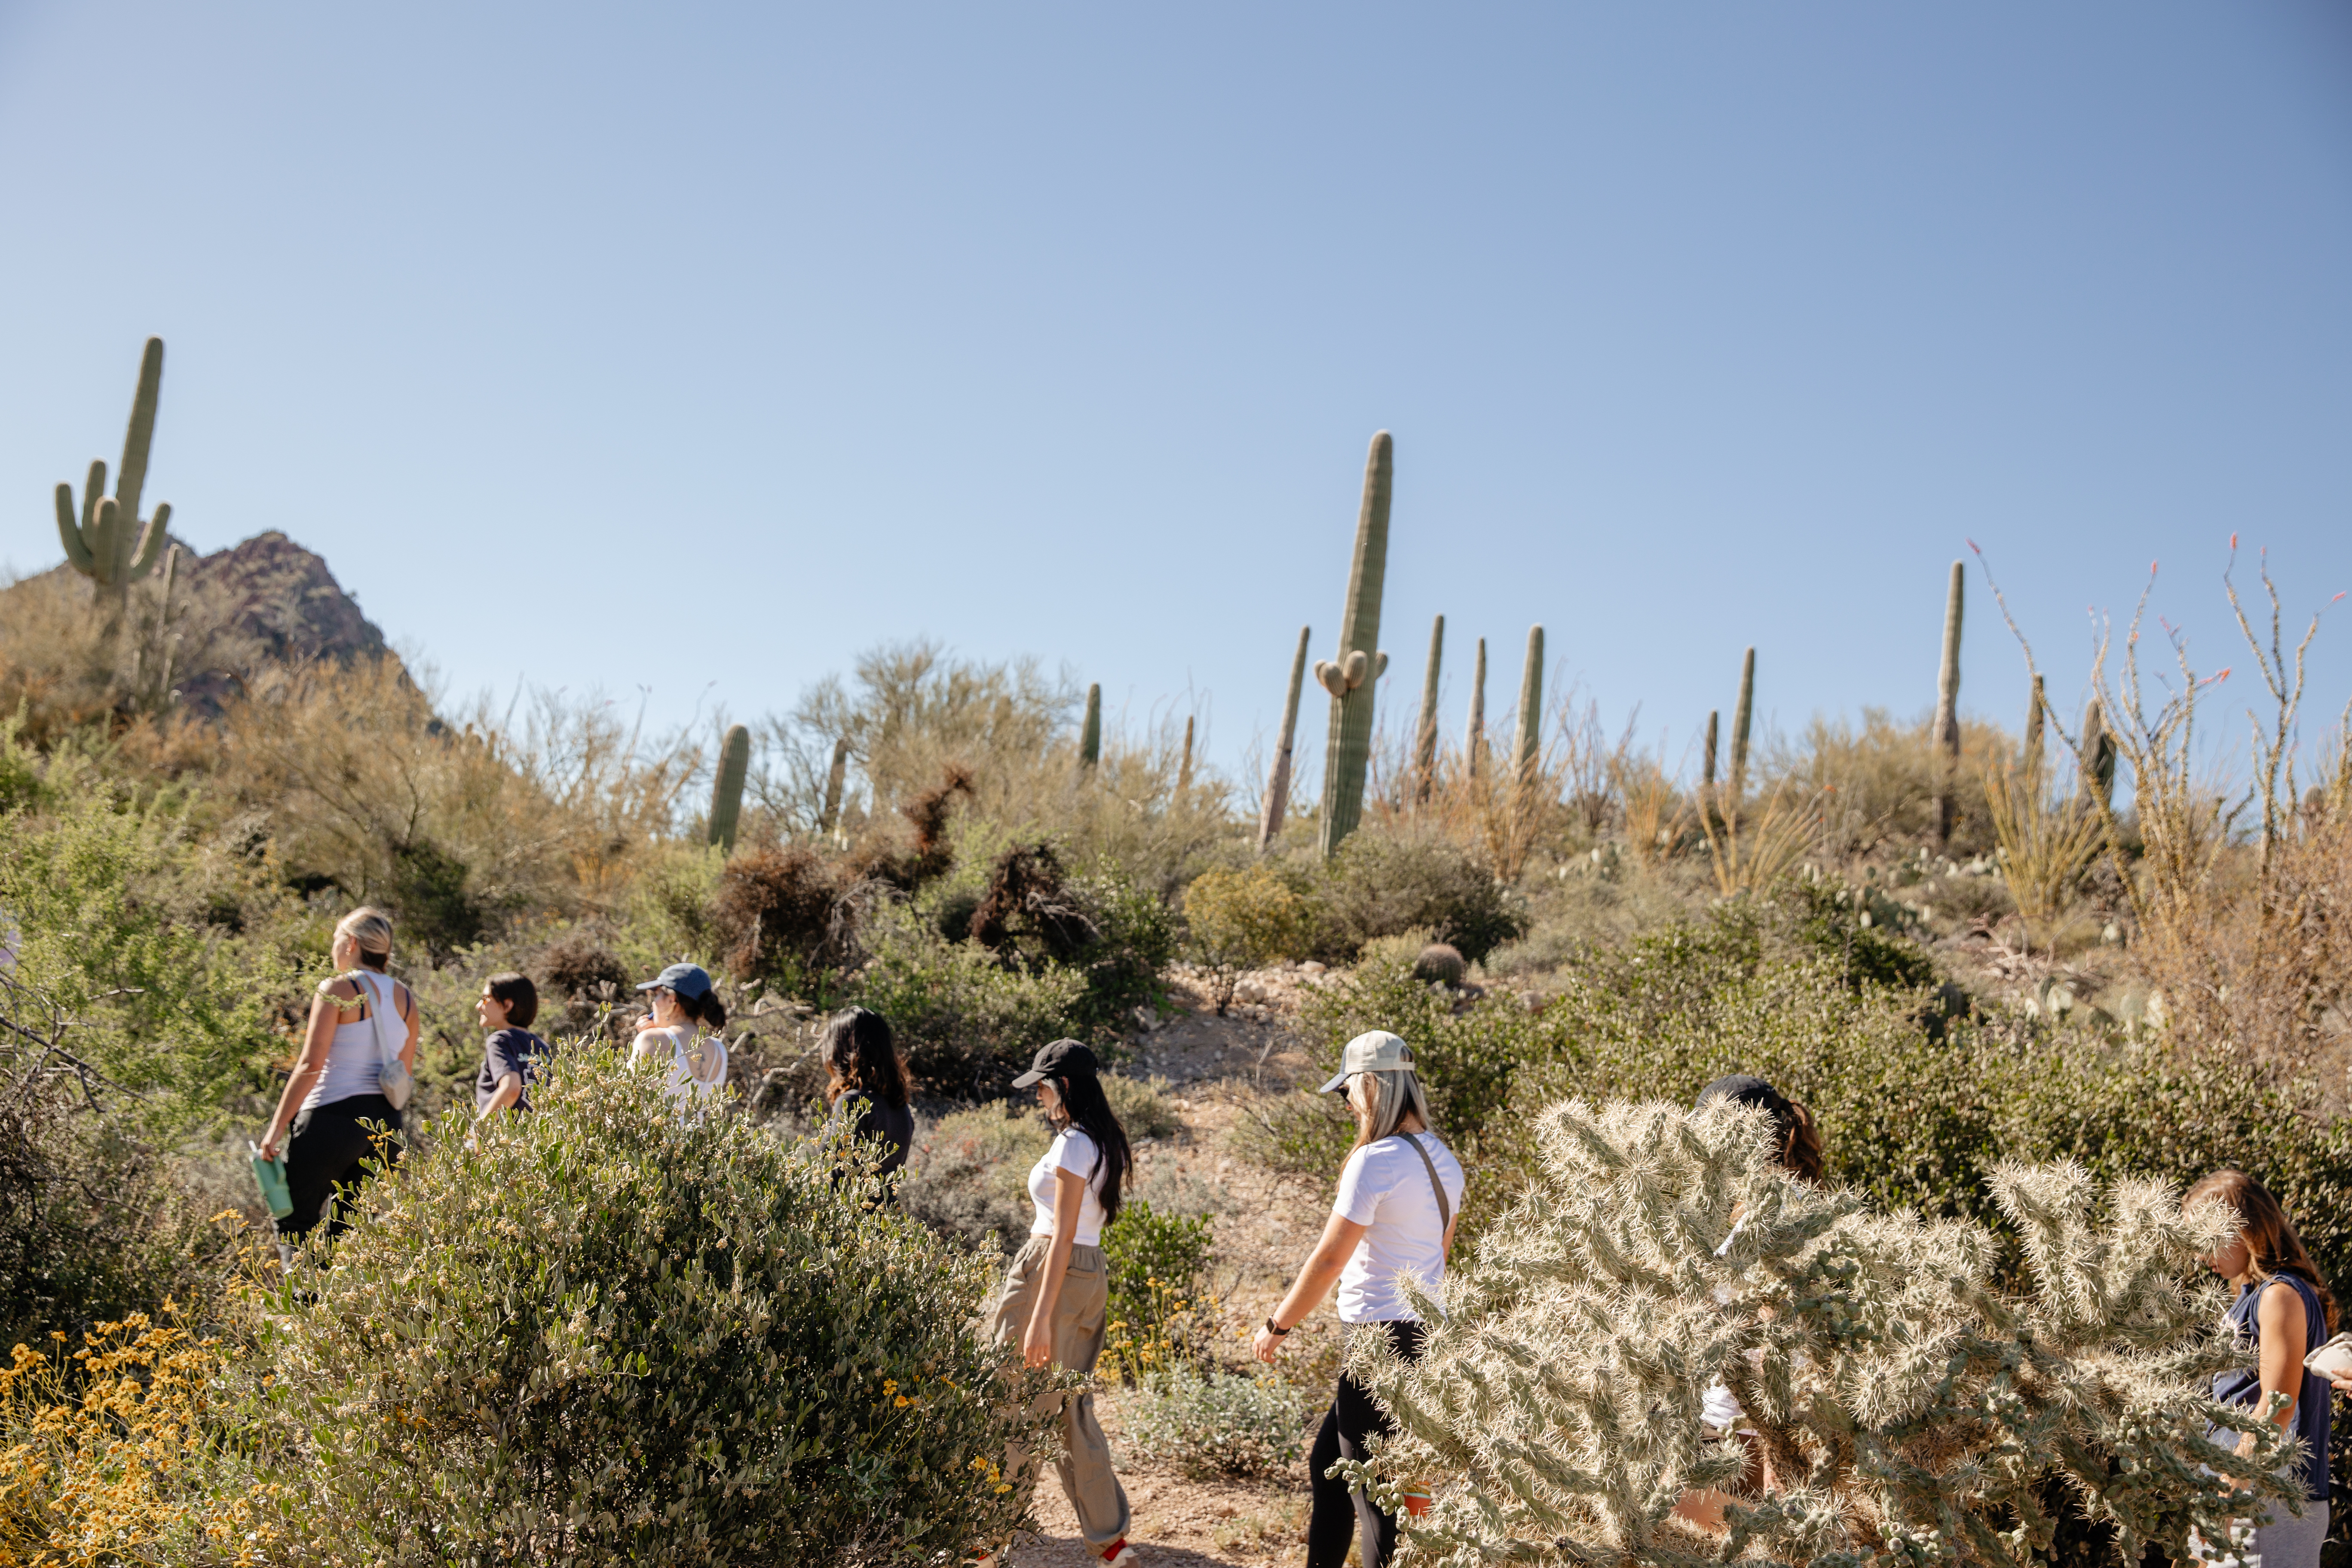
<point x="1375" y="1050"/>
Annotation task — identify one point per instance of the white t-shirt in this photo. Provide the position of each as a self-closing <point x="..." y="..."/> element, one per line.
<point x="1074" y="1151"/>
<point x="1385" y="1186"/>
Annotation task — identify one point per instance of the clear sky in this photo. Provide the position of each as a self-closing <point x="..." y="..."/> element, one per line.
<point x="696" y="348"/>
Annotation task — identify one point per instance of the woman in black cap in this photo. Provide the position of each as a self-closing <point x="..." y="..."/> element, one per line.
<point x="684" y="1004"/>
<point x="1795" y="1149"/>
<point x="1057" y="1291"/>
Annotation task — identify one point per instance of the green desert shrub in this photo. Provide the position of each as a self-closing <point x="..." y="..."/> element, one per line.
<point x="963" y="1018"/>
<point x="1386" y="884"/>
<point x="611" y="1333"/>
<point x="968" y="1175"/>
<point x="1209" y="1424"/>
<point x="1142" y="1106"/>
<point x="1156" y="1259"/>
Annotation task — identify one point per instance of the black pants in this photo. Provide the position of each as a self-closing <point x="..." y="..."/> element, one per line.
<point x="326" y="1154"/>
<point x="1338" y="1513"/>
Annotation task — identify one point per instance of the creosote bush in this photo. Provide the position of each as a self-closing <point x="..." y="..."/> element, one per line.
<point x="612" y="1332"/>
<point x="1208" y="1423"/>
<point x="1906" y="1407"/>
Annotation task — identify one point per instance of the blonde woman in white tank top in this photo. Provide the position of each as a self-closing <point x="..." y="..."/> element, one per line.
<point x="327" y="1119"/>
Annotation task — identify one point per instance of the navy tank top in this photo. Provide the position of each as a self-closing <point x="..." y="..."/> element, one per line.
<point x="2311" y="1401"/>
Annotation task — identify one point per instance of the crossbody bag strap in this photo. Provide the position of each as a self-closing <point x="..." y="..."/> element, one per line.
<point x="383" y="1007"/>
<point x="1444" y="1209"/>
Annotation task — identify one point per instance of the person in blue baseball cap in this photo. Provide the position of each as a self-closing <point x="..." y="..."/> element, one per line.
<point x="684" y="1004"/>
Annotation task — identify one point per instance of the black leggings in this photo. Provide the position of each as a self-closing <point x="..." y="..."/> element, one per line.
<point x="1338" y="1513"/>
<point x="327" y="1152"/>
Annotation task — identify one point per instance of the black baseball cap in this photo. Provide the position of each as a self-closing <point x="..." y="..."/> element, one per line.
<point x="1063" y="1059"/>
<point x="1746" y="1088"/>
<point x="688" y="980"/>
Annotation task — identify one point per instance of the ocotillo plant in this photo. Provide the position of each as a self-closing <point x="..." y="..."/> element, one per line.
<point x="103" y="538"/>
<point x="1946" y="734"/>
<point x="1090" y="736"/>
<point x="1910" y="1410"/>
<point x="833" y="780"/>
<point x="1425" y="740"/>
<point x="1351" y="678"/>
<point x="1740" y="721"/>
<point x="1474" y="739"/>
<point x="1277" y="782"/>
<point x="1526" y="752"/>
<point x="727" y="789"/>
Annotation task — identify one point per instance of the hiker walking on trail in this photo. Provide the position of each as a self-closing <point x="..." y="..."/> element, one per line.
<point x="866" y="1084"/>
<point x="693" y="1064"/>
<point x="511" y="1055"/>
<point x="1400" y="1196"/>
<point x="341" y="1108"/>
<point x="1056" y="1293"/>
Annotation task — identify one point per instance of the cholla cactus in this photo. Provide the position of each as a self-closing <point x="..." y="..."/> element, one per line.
<point x="1910" y="1413"/>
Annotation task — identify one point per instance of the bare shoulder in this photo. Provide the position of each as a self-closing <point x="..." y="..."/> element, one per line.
<point x="342" y="990"/>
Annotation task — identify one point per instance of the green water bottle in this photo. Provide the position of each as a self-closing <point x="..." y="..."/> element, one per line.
<point x="269" y="1175"/>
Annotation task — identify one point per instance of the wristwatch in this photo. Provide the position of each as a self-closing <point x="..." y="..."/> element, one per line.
<point x="1277" y="1329"/>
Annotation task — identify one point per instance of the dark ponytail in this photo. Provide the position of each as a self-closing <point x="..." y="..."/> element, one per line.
<point x="1085" y="1105"/>
<point x="706" y="1010"/>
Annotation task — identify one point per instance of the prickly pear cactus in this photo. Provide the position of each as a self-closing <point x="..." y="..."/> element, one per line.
<point x="1351" y="678"/>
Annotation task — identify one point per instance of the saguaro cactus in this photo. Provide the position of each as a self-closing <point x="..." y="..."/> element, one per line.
<point x="103" y="538"/>
<point x="1525" y="752"/>
<point x="2034" y="705"/>
<point x="1277" y="782"/>
<point x="1351" y="678"/>
<point x="1946" y="736"/>
<point x="2098" y="760"/>
<point x="1706" y="765"/>
<point x="1740" y="721"/>
<point x="1424" y="738"/>
<point x="1090" y="737"/>
<point x="833" y="779"/>
<point x="1185" y="767"/>
<point x="1474" y="739"/>
<point x="727" y="789"/>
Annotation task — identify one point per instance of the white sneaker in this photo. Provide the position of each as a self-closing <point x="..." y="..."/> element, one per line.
<point x="1121" y="1555"/>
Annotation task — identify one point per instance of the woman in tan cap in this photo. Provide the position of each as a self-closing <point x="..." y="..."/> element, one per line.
<point x="1399" y="1195"/>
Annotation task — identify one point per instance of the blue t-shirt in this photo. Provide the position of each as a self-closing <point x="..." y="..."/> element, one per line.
<point x="2244" y="1386"/>
<point x="517" y="1051"/>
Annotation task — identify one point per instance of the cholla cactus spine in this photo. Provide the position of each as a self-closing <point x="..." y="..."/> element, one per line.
<point x="1277" y="782"/>
<point x="1909" y="1410"/>
<point x="1351" y="678"/>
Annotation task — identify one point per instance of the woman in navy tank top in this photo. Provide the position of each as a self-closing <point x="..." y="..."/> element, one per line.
<point x="2285" y="1311"/>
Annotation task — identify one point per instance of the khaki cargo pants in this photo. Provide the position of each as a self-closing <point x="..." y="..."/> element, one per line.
<point x="1092" y="1486"/>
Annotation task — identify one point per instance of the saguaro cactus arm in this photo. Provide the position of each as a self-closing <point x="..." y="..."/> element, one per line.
<point x="1350" y="677"/>
<point x="74" y="535"/>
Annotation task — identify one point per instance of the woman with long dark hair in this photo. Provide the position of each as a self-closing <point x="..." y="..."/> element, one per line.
<point x="865" y="1080"/>
<point x="2284" y="1311"/>
<point x="334" y="1115"/>
<point x="1056" y="1293"/>
<point x="683" y="1004"/>
<point x="1400" y="1196"/>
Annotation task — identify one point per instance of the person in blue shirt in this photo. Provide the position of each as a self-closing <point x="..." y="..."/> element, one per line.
<point x="2285" y="1311"/>
<point x="511" y="1056"/>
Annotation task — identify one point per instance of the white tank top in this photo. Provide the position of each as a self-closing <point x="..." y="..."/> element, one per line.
<point x="355" y="1055"/>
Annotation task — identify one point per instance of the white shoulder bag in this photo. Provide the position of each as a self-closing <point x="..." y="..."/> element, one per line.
<point x="392" y="1075"/>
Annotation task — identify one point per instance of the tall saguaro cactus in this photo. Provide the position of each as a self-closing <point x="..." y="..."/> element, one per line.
<point x="1424" y="736"/>
<point x="1706" y="763"/>
<point x="1946" y="736"/>
<point x="1474" y="739"/>
<point x="1351" y="678"/>
<point x="1090" y="737"/>
<point x="833" y="780"/>
<point x="1184" y="768"/>
<point x="103" y="538"/>
<point x="1525" y="752"/>
<point x="2034" y="706"/>
<point x="727" y="789"/>
<point x="2098" y="759"/>
<point x="1277" y="782"/>
<point x="1740" y="722"/>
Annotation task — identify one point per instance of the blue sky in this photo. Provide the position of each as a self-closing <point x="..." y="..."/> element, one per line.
<point x="698" y="348"/>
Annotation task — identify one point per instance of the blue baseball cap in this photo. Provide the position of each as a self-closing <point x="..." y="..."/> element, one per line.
<point x="686" y="979"/>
